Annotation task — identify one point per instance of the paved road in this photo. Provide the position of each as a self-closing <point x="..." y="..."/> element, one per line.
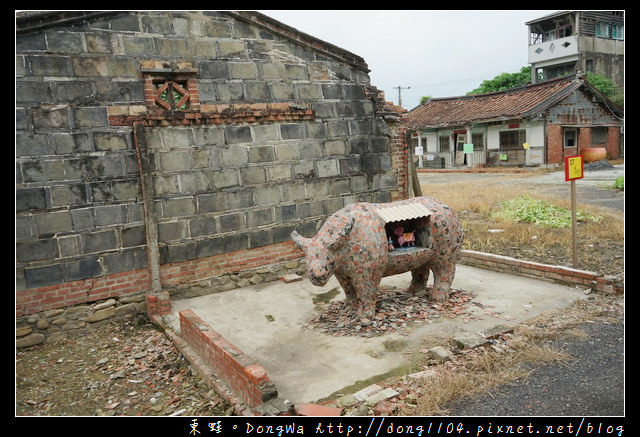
<point x="591" y="385"/>
<point x="594" y="188"/>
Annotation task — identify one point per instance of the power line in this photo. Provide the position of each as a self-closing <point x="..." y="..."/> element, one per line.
<point x="455" y="81"/>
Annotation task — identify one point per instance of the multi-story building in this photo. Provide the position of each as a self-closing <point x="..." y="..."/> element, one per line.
<point x="566" y="42"/>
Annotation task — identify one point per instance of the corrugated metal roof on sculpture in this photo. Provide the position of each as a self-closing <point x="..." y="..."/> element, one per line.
<point x="402" y="212"/>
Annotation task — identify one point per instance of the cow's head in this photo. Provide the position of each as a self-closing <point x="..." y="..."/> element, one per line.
<point x="324" y="250"/>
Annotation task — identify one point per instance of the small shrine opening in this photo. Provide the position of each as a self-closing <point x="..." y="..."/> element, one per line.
<point x="406" y="226"/>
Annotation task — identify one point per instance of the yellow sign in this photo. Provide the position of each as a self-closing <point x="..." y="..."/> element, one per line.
<point x="573" y="168"/>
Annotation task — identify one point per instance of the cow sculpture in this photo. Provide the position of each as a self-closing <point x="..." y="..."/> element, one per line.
<point x="354" y="245"/>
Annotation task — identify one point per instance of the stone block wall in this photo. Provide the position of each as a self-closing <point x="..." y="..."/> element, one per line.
<point x="274" y="131"/>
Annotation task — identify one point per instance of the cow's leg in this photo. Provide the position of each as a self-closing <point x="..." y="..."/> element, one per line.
<point x="361" y="295"/>
<point x="419" y="278"/>
<point x="368" y="294"/>
<point x="443" y="274"/>
<point x="351" y="296"/>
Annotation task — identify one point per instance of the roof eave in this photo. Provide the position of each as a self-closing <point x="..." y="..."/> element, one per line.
<point x="34" y="21"/>
<point x="466" y="122"/>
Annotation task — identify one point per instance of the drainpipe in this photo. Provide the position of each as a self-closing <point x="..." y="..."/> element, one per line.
<point x="146" y="186"/>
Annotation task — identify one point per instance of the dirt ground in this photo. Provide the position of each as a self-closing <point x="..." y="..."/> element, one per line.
<point x="134" y="369"/>
<point x="119" y="369"/>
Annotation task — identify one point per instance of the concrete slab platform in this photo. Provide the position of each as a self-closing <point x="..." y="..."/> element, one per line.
<point x="267" y="323"/>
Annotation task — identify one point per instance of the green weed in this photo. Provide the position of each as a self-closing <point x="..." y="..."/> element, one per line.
<point x="540" y="212"/>
<point x="619" y="183"/>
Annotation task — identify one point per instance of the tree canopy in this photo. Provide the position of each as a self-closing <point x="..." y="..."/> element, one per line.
<point x="504" y="81"/>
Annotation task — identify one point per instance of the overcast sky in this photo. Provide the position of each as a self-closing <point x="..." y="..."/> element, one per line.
<point x="432" y="53"/>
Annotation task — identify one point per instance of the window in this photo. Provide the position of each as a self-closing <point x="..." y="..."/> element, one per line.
<point x="608" y="30"/>
<point x="564" y="31"/>
<point x="172" y="95"/>
<point x="478" y="142"/>
<point x="444" y="143"/>
<point x="598" y="136"/>
<point x="512" y="139"/>
<point x="602" y="29"/>
<point x="570" y="137"/>
<point x="617" y="31"/>
<point x="169" y="87"/>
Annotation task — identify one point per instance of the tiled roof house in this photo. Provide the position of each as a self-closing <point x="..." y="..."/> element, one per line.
<point x="530" y="125"/>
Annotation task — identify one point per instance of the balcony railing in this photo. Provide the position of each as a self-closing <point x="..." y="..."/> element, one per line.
<point x="553" y="49"/>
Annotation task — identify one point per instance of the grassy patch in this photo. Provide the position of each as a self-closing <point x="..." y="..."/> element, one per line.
<point x="540" y="212"/>
<point x="619" y="183"/>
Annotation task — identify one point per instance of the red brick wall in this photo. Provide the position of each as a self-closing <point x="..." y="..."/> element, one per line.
<point x="399" y="161"/>
<point x="248" y="380"/>
<point x="554" y="144"/>
<point x="89" y="290"/>
<point x="613" y="142"/>
<point x="204" y="268"/>
<point x="78" y="292"/>
<point x="584" y="138"/>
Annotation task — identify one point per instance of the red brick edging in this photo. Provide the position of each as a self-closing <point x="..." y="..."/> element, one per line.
<point x="245" y="377"/>
<point x="564" y="275"/>
<point x="203" y="370"/>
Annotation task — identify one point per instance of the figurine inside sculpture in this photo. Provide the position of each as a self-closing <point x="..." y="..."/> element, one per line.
<point x="402" y="234"/>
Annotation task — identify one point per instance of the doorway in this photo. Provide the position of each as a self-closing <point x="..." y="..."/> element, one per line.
<point x="460" y="140"/>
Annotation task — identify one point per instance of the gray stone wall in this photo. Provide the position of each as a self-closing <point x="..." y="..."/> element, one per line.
<point x="58" y="324"/>
<point x="223" y="189"/>
<point x="216" y="187"/>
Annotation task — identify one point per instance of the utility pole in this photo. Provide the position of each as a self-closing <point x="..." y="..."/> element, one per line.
<point x="400" y="93"/>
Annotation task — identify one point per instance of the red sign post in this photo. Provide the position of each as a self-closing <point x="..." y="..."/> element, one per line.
<point x="573" y="169"/>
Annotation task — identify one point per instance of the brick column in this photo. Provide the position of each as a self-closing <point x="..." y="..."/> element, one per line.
<point x="584" y="139"/>
<point x="554" y="144"/>
<point x="613" y="142"/>
<point x="158" y="304"/>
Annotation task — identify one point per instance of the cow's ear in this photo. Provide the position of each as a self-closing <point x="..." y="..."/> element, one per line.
<point x="300" y="241"/>
<point x="342" y="234"/>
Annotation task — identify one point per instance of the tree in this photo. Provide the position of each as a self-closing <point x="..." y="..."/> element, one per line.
<point x="504" y="81"/>
<point x="606" y="86"/>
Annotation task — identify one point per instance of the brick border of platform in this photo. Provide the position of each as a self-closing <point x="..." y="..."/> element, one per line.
<point x="243" y="374"/>
<point x="560" y="274"/>
<point x="203" y="369"/>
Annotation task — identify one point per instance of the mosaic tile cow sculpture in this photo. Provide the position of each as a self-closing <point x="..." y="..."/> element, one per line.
<point x="354" y="244"/>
